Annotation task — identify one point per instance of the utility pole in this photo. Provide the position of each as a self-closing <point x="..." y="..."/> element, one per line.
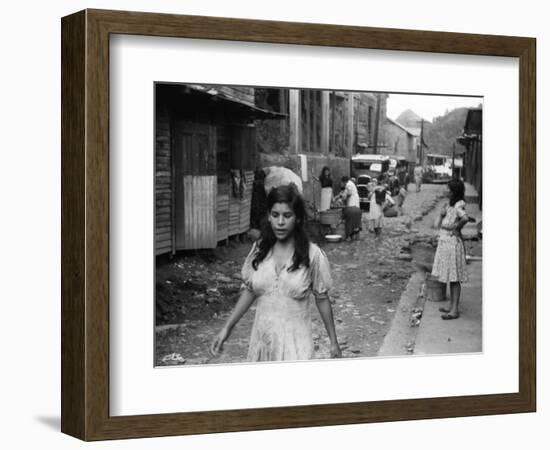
<point x="332" y="123"/>
<point x="376" y="125"/>
<point x="453" y="163"/>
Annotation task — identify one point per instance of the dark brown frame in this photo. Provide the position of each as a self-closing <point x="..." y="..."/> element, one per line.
<point x="85" y="224"/>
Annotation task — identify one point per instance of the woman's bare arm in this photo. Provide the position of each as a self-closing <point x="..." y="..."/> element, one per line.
<point x="325" y="310"/>
<point x="246" y="298"/>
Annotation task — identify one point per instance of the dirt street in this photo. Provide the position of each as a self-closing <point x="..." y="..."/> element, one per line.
<point x="196" y="293"/>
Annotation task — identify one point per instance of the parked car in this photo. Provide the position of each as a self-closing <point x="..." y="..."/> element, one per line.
<point x="371" y="165"/>
<point x="437" y="169"/>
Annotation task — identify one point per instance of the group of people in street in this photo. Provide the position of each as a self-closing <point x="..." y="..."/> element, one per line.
<point x="379" y="198"/>
<point x="348" y="197"/>
<point x="284" y="270"/>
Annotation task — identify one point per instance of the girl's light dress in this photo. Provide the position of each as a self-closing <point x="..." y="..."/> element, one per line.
<point x="326" y="198"/>
<point x="282" y="327"/>
<point x="450" y="258"/>
<point x="376" y="211"/>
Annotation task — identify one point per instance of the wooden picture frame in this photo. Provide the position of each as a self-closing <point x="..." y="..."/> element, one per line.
<point x="85" y="224"/>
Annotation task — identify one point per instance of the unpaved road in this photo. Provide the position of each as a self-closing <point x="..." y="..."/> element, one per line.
<point x="369" y="276"/>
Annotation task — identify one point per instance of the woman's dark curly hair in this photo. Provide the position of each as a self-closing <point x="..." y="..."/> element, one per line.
<point x="325" y="179"/>
<point x="285" y="194"/>
<point x="457" y="189"/>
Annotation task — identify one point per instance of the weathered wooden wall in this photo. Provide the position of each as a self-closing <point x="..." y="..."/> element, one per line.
<point x="365" y="119"/>
<point x="163" y="183"/>
<point x="473" y="165"/>
<point x="243" y="147"/>
<point x="223" y="154"/>
<point x="239" y="202"/>
<point x="246" y="201"/>
<point x="339" y="139"/>
<point x="242" y="94"/>
<point x="310" y="120"/>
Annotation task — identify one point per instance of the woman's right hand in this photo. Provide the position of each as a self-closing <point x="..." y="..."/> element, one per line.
<point x="217" y="344"/>
<point x="443" y="211"/>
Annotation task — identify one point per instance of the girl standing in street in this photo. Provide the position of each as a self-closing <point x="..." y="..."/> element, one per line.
<point x="450" y="259"/>
<point x="326" y="189"/>
<point x="379" y="198"/>
<point x="401" y="196"/>
<point x="281" y="271"/>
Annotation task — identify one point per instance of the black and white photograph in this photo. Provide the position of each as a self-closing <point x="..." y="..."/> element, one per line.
<point x="267" y="225"/>
<point x="294" y="224"/>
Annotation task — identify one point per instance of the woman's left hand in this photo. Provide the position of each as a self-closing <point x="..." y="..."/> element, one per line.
<point x="335" y="351"/>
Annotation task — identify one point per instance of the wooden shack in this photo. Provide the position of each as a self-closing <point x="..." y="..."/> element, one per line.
<point x="205" y="157"/>
<point x="471" y="138"/>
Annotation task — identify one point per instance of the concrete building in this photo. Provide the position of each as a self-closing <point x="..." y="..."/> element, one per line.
<point x="322" y="128"/>
<point x="400" y="141"/>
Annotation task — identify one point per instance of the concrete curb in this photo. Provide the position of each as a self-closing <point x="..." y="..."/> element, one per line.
<point x="401" y="335"/>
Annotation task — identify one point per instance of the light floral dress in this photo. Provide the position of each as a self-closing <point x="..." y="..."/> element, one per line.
<point x="450" y="258"/>
<point x="282" y="328"/>
<point x="376" y="211"/>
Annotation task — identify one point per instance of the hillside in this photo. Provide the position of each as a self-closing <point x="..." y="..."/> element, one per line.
<point x="442" y="133"/>
<point x="410" y="119"/>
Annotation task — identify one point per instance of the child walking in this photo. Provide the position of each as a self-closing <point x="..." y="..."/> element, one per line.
<point x="380" y="198"/>
<point x="450" y="259"/>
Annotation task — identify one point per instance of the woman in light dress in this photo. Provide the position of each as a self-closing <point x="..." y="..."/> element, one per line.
<point x="326" y="189"/>
<point x="281" y="271"/>
<point x="450" y="259"/>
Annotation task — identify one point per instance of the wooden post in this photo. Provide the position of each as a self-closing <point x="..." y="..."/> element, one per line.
<point x="453" y="163"/>
<point x="283" y="100"/>
<point x="315" y="122"/>
<point x="294" y="120"/>
<point x="333" y="124"/>
<point x="376" y="125"/>
<point x="325" y="122"/>
<point x="350" y="147"/>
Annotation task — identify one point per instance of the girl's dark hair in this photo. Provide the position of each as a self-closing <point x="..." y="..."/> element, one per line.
<point x="325" y="179"/>
<point x="259" y="175"/>
<point x="285" y="194"/>
<point x="457" y="191"/>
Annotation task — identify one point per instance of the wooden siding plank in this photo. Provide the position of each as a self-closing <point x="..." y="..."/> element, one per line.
<point x="163" y="181"/>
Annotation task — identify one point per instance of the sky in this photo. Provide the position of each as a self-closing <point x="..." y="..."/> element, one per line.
<point x="427" y="106"/>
